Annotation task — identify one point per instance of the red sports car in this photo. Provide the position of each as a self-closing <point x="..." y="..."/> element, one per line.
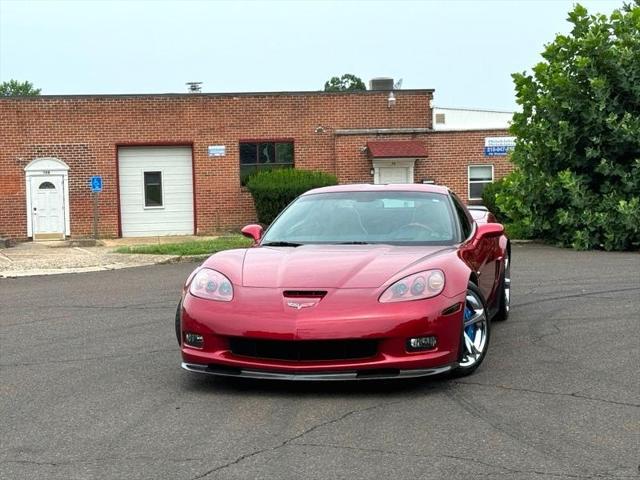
<point x="351" y="282"/>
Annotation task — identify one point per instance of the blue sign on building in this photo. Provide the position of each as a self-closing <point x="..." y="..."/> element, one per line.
<point x="96" y="184"/>
<point x="498" y="146"/>
<point x="497" y="151"/>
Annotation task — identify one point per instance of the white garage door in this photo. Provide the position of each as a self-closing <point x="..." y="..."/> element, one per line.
<point x="156" y="191"/>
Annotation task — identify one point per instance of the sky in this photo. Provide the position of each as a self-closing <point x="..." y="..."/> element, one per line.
<point x="465" y="50"/>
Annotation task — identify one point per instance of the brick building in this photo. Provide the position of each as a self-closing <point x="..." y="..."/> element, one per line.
<point x="174" y="163"/>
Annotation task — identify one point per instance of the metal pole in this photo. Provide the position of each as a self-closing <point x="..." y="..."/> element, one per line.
<point x="95" y="215"/>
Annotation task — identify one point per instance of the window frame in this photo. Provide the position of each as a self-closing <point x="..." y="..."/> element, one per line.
<point x="460" y="209"/>
<point x="257" y="164"/>
<point x="469" y="181"/>
<point x="144" y="190"/>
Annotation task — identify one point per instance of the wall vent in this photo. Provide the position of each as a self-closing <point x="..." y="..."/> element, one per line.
<point x="440" y="118"/>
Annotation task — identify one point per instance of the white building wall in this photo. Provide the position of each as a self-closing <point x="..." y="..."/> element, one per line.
<point x="469" y="119"/>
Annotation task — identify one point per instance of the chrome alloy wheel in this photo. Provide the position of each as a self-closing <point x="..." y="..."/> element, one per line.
<point x="507" y="284"/>
<point x="475" y="331"/>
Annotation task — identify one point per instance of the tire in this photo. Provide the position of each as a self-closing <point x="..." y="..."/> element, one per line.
<point x="505" y="296"/>
<point x="475" y="334"/>
<point x="178" y="335"/>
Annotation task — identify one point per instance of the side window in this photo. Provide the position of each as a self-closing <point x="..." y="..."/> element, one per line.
<point x="465" y="223"/>
<point x="153" y="189"/>
<point x="479" y="177"/>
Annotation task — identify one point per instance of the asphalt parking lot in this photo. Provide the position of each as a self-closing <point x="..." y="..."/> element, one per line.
<point x="91" y="388"/>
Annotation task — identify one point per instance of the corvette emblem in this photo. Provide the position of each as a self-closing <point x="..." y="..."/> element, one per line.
<point x="299" y="306"/>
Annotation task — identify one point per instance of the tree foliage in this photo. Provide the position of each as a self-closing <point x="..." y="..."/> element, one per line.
<point x="577" y="153"/>
<point x="15" y="88"/>
<point x="344" y="83"/>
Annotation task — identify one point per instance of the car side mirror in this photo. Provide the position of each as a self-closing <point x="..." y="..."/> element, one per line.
<point x="489" y="230"/>
<point x="253" y="231"/>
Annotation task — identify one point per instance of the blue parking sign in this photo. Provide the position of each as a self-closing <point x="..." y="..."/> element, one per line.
<point x="96" y="183"/>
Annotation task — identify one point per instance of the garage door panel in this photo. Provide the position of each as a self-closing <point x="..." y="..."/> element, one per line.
<point x="175" y="217"/>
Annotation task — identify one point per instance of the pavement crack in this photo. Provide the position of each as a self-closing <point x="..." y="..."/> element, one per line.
<point x="471" y="460"/>
<point x="575" y="295"/>
<point x="85" y="359"/>
<point x="288" y="441"/>
<point x="405" y="454"/>
<point x="556" y="331"/>
<point x="543" y="392"/>
<point x="99" y="460"/>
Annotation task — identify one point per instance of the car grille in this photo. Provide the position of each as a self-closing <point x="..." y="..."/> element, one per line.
<point x="303" y="350"/>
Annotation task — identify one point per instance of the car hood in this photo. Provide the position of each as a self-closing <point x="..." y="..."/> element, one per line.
<point x="331" y="266"/>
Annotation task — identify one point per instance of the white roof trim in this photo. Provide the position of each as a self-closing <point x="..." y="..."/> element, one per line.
<point x="46" y="163"/>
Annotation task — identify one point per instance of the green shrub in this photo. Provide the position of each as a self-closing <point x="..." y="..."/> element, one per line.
<point x="577" y="151"/>
<point x="489" y="195"/>
<point x="273" y="190"/>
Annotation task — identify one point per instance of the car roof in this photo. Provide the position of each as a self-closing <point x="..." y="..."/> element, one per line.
<point x="366" y="187"/>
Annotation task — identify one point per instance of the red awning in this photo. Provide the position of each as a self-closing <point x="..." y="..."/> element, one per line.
<point x="397" y="149"/>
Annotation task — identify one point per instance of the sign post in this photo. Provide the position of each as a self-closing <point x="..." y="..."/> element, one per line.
<point x="96" y="188"/>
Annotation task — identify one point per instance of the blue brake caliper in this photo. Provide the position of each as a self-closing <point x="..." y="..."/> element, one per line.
<point x="469" y="329"/>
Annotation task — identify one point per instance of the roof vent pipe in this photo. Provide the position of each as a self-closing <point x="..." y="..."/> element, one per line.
<point x="194" y="87"/>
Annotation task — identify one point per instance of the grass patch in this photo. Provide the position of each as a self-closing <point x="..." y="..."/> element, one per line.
<point x="192" y="247"/>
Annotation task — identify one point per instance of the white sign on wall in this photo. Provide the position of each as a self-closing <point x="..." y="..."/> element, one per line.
<point x="498" y="146"/>
<point x="216" y="150"/>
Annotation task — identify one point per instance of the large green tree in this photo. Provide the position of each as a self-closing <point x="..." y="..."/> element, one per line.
<point x="577" y="181"/>
<point x="344" y="83"/>
<point x="14" y="88"/>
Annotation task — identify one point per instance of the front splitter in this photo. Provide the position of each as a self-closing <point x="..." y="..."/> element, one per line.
<point x="380" y="374"/>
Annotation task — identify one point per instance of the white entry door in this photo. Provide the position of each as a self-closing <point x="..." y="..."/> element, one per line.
<point x="47" y="207"/>
<point x="393" y="175"/>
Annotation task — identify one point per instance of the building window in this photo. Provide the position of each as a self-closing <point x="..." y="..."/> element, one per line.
<point x="153" y="189"/>
<point x="256" y="156"/>
<point x="479" y="177"/>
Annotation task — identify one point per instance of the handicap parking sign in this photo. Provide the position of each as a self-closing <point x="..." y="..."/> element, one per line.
<point x="96" y="183"/>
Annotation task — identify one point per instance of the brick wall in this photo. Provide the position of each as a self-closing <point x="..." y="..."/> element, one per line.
<point x="450" y="154"/>
<point x="85" y="132"/>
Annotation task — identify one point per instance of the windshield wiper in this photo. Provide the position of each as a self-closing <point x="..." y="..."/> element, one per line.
<point x="352" y="243"/>
<point x="281" y="244"/>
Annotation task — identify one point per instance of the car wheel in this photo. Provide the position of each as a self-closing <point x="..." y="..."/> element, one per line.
<point x="474" y="341"/>
<point x="505" y="298"/>
<point x="178" y="336"/>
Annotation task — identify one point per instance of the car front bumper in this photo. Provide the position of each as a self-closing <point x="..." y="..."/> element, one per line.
<point x="261" y="315"/>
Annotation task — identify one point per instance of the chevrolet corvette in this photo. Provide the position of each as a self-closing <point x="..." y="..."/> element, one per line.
<point x="351" y="282"/>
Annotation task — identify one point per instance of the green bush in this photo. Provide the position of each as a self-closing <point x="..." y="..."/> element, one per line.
<point x="273" y="190"/>
<point x="577" y="151"/>
<point x="489" y="195"/>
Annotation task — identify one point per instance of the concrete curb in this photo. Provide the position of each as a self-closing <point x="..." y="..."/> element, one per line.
<point x="170" y="259"/>
<point x="93" y="268"/>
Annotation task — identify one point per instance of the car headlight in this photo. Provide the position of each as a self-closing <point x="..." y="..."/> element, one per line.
<point x="415" y="287"/>
<point x="211" y="285"/>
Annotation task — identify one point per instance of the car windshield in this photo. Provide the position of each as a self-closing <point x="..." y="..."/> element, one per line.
<point x="397" y="218"/>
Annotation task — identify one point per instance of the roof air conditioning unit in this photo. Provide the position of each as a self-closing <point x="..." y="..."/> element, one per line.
<point x="381" y="83"/>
